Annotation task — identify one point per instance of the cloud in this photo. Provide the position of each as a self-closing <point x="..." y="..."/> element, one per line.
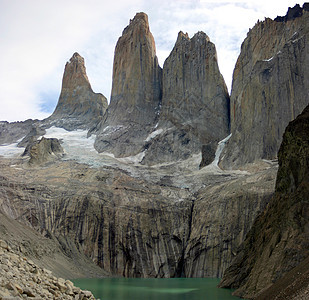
<point x="38" y="37"/>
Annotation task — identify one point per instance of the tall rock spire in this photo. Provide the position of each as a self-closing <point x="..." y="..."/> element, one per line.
<point x="136" y="91"/>
<point x="78" y="106"/>
<point x="195" y="103"/>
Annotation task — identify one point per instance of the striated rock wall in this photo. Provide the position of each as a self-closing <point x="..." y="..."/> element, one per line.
<point x="269" y="88"/>
<point x="279" y="238"/>
<point x="133" y="226"/>
<point x="136" y="91"/>
<point x="222" y="216"/>
<point x="195" y="103"/>
<point x="78" y="106"/>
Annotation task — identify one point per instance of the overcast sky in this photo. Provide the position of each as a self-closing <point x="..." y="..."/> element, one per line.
<point x="37" y="38"/>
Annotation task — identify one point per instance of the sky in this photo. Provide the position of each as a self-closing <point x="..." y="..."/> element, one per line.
<point x="38" y="37"/>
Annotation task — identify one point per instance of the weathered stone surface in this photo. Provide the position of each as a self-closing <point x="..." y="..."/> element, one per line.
<point x="223" y="214"/>
<point x="47" y="149"/>
<point x="270" y="88"/>
<point x="78" y="106"/>
<point x="14" y="131"/>
<point x="136" y="91"/>
<point x="195" y="103"/>
<point x="35" y="132"/>
<point x="138" y="222"/>
<point x="279" y="238"/>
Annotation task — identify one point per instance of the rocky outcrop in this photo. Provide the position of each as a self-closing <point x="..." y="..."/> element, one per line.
<point x="136" y="92"/>
<point x="270" y="85"/>
<point x="47" y="149"/>
<point x="222" y="216"/>
<point x="12" y="132"/>
<point x="78" y="106"/>
<point x="138" y="224"/>
<point x="21" y="278"/>
<point x="195" y="103"/>
<point x="279" y="238"/>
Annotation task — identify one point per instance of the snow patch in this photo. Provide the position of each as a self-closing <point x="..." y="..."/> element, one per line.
<point x="111" y="129"/>
<point x="214" y="165"/>
<point x="153" y="134"/>
<point x="268" y="59"/>
<point x="133" y="159"/>
<point x="11" y="150"/>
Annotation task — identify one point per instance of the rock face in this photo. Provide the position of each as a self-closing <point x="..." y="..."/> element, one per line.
<point x="47" y="149"/>
<point x="195" y="103"/>
<point x="279" y="238"/>
<point x="270" y="86"/>
<point x="136" y="92"/>
<point x="78" y="106"/>
<point x="22" y="278"/>
<point x="146" y="225"/>
<point x="12" y="132"/>
<point x="222" y="216"/>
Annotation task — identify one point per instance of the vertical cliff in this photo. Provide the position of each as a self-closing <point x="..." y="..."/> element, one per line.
<point x="195" y="103"/>
<point x="269" y="88"/>
<point x="279" y="238"/>
<point x="78" y="106"/>
<point x="136" y="91"/>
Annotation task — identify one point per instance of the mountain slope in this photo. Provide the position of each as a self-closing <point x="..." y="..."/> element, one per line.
<point x="279" y="238"/>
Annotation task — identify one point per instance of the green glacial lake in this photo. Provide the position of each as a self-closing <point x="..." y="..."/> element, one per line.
<point x="155" y="289"/>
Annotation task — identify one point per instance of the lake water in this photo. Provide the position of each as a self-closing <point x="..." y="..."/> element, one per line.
<point x="155" y="289"/>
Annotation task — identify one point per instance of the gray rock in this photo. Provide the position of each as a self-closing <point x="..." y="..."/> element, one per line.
<point x="195" y="103"/>
<point x="44" y="150"/>
<point x="78" y="106"/>
<point x="270" y="88"/>
<point x="136" y="92"/>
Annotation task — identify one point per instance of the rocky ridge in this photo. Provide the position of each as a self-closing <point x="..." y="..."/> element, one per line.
<point x="279" y="239"/>
<point x="21" y="278"/>
<point x="269" y="87"/>
<point x="169" y="219"/>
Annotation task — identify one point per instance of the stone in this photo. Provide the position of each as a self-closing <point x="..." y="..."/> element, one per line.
<point x="269" y="89"/>
<point x="136" y="92"/>
<point x="14" y="131"/>
<point x="78" y="106"/>
<point x="195" y="102"/>
<point x="278" y="239"/>
<point x="47" y="149"/>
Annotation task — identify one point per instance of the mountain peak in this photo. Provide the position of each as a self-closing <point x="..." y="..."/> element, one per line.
<point x="75" y="73"/>
<point x="78" y="105"/>
<point x="140" y="20"/>
<point x="293" y="13"/>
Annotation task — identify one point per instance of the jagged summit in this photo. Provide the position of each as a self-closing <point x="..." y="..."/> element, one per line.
<point x="270" y="88"/>
<point x="75" y="73"/>
<point x="78" y="106"/>
<point x="195" y="102"/>
<point x="293" y="13"/>
<point x="140" y="19"/>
